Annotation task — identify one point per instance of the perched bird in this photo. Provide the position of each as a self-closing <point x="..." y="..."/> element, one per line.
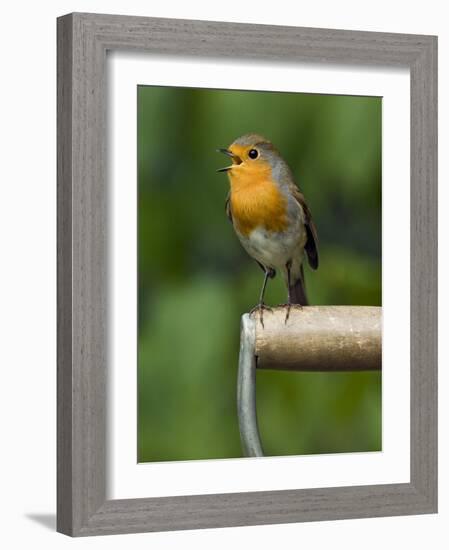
<point x="270" y="215"/>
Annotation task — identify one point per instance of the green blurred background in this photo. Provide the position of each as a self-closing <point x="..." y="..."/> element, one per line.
<point x="195" y="280"/>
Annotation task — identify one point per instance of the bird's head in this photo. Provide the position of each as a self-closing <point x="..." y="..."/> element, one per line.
<point x="253" y="158"/>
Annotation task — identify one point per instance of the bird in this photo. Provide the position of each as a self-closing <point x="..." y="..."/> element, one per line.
<point x="270" y="216"/>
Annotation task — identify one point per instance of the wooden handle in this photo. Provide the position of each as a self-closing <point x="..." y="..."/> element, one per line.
<point x="320" y="338"/>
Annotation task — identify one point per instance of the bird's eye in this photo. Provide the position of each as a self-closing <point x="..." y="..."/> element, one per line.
<point x="253" y="154"/>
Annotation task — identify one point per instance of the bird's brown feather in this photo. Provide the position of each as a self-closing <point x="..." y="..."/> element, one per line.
<point x="311" y="245"/>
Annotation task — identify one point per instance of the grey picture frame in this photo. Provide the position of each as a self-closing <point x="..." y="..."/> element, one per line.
<point x="83" y="41"/>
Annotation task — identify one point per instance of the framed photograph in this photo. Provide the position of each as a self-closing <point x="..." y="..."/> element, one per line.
<point x="241" y="208"/>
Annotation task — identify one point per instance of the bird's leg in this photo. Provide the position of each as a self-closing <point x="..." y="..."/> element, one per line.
<point x="288" y="266"/>
<point x="269" y="274"/>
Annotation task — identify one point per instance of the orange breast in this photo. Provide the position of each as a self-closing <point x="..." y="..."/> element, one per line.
<point x="256" y="201"/>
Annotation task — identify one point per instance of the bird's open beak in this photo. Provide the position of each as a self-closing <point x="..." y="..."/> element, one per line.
<point x="235" y="159"/>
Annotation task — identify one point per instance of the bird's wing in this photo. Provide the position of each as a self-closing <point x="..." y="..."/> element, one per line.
<point x="312" y="237"/>
<point x="228" y="207"/>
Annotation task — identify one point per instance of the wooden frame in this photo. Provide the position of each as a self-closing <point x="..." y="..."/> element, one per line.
<point x="83" y="40"/>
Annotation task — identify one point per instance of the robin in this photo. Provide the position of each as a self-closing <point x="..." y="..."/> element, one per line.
<point x="270" y="215"/>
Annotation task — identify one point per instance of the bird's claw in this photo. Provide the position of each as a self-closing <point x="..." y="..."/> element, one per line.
<point x="289" y="306"/>
<point x="260" y="308"/>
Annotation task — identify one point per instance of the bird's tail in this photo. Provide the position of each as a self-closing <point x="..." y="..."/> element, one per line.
<point x="298" y="291"/>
